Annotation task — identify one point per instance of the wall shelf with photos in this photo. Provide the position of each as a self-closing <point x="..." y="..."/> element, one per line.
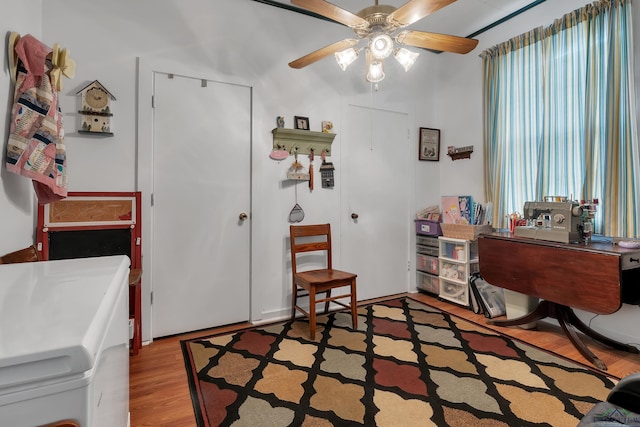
<point x="302" y="141"/>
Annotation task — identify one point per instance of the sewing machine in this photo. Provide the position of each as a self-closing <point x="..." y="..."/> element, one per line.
<point x="554" y="221"/>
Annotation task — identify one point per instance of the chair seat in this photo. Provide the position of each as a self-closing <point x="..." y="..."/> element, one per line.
<point x="329" y="278"/>
<point x="28" y="254"/>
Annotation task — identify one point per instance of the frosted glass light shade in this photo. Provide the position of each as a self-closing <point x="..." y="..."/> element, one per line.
<point x="375" y="72"/>
<point x="405" y="57"/>
<point x="346" y="57"/>
<point x="381" y="46"/>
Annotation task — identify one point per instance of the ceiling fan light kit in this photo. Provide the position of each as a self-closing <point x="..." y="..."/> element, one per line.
<point x="375" y="70"/>
<point x="346" y="57"/>
<point x="405" y="57"/>
<point x="380" y="46"/>
<point x="378" y="24"/>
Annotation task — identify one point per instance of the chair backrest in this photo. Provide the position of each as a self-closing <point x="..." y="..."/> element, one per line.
<point x="29" y="254"/>
<point x="310" y="245"/>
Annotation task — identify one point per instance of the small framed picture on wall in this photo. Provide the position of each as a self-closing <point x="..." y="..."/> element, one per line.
<point x="301" y="122"/>
<point x="429" y="144"/>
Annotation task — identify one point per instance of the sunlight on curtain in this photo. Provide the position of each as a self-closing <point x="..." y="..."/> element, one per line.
<point x="576" y="134"/>
<point x="513" y="73"/>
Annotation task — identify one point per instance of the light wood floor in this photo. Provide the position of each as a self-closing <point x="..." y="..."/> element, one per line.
<point x="159" y="394"/>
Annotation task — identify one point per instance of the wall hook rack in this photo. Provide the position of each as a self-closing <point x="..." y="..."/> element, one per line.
<point x="302" y="141"/>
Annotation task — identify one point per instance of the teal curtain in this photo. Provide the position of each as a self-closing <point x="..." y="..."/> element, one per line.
<point x="575" y="133"/>
<point x="513" y="76"/>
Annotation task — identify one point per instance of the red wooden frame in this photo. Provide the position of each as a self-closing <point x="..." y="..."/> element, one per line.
<point x="133" y="222"/>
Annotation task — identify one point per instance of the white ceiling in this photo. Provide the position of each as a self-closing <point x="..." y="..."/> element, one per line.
<point x="461" y="18"/>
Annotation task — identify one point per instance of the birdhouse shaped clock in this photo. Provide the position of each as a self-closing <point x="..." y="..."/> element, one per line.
<point x="96" y="109"/>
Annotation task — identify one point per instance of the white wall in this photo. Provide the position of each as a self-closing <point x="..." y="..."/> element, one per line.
<point x="237" y="40"/>
<point x="242" y="39"/>
<point x="17" y="204"/>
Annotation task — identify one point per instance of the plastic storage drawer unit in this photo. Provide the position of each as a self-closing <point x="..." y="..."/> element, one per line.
<point x="427" y="282"/>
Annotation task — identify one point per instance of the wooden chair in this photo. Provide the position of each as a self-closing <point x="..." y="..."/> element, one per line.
<point x="29" y="254"/>
<point x="305" y="238"/>
<point x="65" y="423"/>
<point x="135" y="308"/>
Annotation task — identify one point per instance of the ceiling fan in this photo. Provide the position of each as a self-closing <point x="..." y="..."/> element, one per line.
<point x="380" y="26"/>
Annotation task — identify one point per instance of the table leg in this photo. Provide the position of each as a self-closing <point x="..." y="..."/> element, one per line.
<point x="565" y="323"/>
<point x="567" y="320"/>
<point x="574" y="320"/>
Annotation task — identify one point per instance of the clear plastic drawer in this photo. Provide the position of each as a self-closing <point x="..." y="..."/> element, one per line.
<point x="427" y="241"/>
<point x="428" y="283"/>
<point x="454" y="291"/>
<point x="426" y="263"/>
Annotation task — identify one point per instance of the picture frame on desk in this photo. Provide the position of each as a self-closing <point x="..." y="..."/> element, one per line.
<point x="301" y="122"/>
<point x="429" y="144"/>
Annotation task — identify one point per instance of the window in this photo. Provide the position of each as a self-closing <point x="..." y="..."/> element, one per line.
<point x="560" y="117"/>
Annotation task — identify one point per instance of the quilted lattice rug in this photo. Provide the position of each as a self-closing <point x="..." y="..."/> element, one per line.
<point x="408" y="364"/>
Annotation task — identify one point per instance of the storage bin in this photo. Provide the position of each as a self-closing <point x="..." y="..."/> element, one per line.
<point x="454" y="292"/>
<point x="428" y="283"/>
<point x="427" y="241"/>
<point x="426" y="263"/>
<point x="465" y="231"/>
<point x="458" y="249"/>
<point x="458" y="272"/>
<point x="427" y="250"/>
<point x="454" y="250"/>
<point x="428" y="228"/>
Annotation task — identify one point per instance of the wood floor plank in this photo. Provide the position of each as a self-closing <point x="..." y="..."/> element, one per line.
<point x="159" y="392"/>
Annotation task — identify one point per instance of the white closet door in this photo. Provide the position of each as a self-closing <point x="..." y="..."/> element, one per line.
<point x="376" y="152"/>
<point x="201" y="193"/>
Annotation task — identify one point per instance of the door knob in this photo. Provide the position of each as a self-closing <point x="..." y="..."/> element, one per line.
<point x="243" y="216"/>
<point x="354" y="216"/>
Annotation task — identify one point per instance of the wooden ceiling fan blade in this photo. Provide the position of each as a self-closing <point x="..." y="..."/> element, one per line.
<point x="331" y="11"/>
<point x="414" y="10"/>
<point x="435" y="41"/>
<point x="322" y="53"/>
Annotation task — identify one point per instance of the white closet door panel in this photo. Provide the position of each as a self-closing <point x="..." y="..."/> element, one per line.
<point x="201" y="180"/>
<point x="376" y="244"/>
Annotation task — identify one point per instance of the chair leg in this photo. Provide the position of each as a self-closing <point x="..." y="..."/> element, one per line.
<point x="312" y="313"/>
<point x="354" y="306"/>
<point x="294" y="300"/>
<point x="326" y="304"/>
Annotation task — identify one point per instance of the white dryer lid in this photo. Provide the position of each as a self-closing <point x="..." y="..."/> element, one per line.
<point x="53" y="316"/>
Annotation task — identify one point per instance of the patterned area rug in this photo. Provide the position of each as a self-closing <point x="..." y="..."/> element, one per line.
<point x="408" y="364"/>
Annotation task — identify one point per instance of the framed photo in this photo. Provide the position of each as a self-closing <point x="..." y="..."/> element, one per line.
<point x="301" y="122"/>
<point x="429" y="144"/>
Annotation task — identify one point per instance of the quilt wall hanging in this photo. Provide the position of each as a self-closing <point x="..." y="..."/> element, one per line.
<point x="35" y="147"/>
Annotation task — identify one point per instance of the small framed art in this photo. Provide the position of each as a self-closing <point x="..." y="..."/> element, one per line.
<point x="429" y="144"/>
<point x="301" y="122"/>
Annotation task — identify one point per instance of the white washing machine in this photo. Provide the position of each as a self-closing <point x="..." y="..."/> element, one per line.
<point x="64" y="342"/>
